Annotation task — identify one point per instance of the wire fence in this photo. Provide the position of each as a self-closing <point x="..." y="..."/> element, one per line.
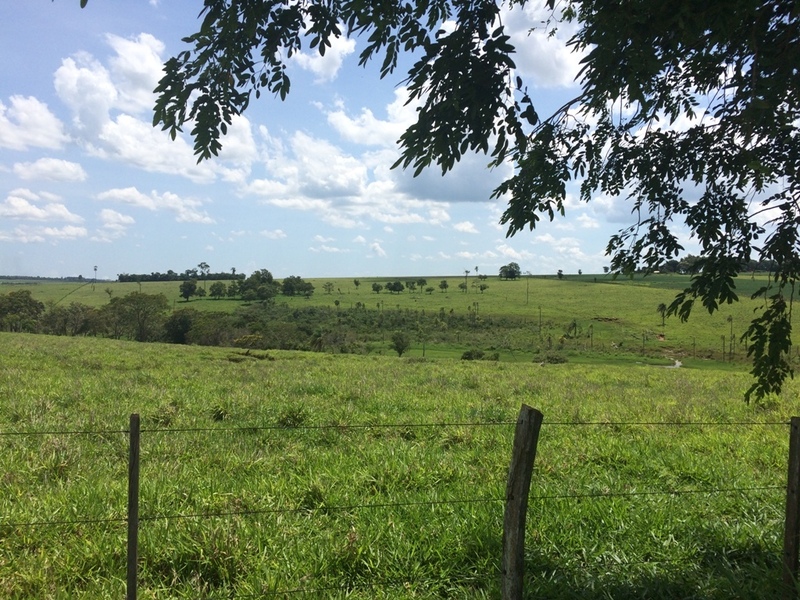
<point x="538" y="498"/>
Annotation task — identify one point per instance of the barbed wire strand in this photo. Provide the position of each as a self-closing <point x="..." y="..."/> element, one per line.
<point x="344" y="508"/>
<point x="654" y="493"/>
<point x="344" y="427"/>
<point x="364" y="585"/>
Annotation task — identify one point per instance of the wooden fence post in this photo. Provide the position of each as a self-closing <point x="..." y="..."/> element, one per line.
<point x="133" y="507"/>
<point x="520" y="472"/>
<point x="791" y="533"/>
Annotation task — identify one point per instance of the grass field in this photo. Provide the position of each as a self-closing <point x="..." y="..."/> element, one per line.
<point x="325" y="475"/>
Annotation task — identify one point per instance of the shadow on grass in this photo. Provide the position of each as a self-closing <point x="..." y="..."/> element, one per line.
<point x="717" y="573"/>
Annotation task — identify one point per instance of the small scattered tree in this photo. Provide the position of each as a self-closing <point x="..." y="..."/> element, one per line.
<point x="560" y="274"/>
<point x="377" y="287"/>
<point x="296" y="286"/>
<point x="510" y="271"/>
<point x="187" y="289"/>
<point x="328" y="287"/>
<point x="217" y="290"/>
<point x="395" y="287"/>
<point x="400" y="342"/>
<point x="662" y="310"/>
<point x="357" y="283"/>
<point x="443" y="285"/>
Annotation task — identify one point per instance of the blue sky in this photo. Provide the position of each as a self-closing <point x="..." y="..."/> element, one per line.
<point x="302" y="187"/>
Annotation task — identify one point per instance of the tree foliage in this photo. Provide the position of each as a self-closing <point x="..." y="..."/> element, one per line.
<point x="687" y="109"/>
<point x="510" y="271"/>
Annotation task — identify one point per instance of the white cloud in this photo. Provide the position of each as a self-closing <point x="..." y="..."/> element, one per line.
<point x="329" y="249"/>
<point x="186" y="210"/>
<point x="368" y="130"/>
<point x="322" y="239"/>
<point x="587" y="222"/>
<point x="28" y="123"/>
<point x="28" y="235"/>
<point x="275" y="234"/>
<point x="139" y="144"/>
<point x="53" y="169"/>
<point x="375" y="248"/>
<point x="326" y="67"/>
<point x="112" y="225"/>
<point x="507" y="251"/>
<point x="136" y="70"/>
<point x="314" y="175"/>
<point x="359" y="239"/>
<point x="85" y="86"/>
<point x="465" y="227"/>
<point x="21" y="208"/>
<point x="545" y="59"/>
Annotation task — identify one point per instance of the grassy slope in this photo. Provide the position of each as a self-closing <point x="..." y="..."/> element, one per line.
<point x="717" y="545"/>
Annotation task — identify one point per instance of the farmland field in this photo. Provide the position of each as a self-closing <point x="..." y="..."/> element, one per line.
<point x="278" y="474"/>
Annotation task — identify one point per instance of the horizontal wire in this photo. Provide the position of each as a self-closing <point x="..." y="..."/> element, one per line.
<point x="337" y="427"/>
<point x="655" y="493"/>
<point x="352" y="586"/>
<point x="316" y="509"/>
<point x="62" y="522"/>
<point x="399" y="426"/>
<point x="670" y="423"/>
<point x="64" y="432"/>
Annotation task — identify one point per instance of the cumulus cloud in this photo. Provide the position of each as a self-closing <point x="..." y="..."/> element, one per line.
<point x="136" y="69"/>
<point x="113" y="225"/>
<point x="313" y="175"/>
<point x="275" y="234"/>
<point x="21" y="205"/>
<point x="326" y="67"/>
<point x="329" y="249"/>
<point x="28" y="123"/>
<point x="465" y="227"/>
<point x="111" y="115"/>
<point x="53" y="169"/>
<point x="28" y="235"/>
<point x="544" y="59"/>
<point x="368" y="130"/>
<point x="186" y="210"/>
<point x="376" y="250"/>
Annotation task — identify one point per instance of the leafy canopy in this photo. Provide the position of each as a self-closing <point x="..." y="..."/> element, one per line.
<point x="687" y="109"/>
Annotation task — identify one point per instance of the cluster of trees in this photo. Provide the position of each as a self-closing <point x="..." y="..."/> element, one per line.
<point x="202" y="272"/>
<point x="136" y="316"/>
<point x="260" y="286"/>
<point x="510" y="271"/>
<point x="19" y="311"/>
<point x="691" y="264"/>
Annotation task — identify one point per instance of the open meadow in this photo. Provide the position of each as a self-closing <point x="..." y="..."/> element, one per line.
<point x="284" y="474"/>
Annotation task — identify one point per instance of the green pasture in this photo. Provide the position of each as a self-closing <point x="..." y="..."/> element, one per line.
<point x="285" y="474"/>
<point x="610" y="317"/>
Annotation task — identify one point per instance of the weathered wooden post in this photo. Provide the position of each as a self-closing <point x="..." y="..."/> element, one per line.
<point x="133" y="507"/>
<point x="520" y="472"/>
<point x="791" y="534"/>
